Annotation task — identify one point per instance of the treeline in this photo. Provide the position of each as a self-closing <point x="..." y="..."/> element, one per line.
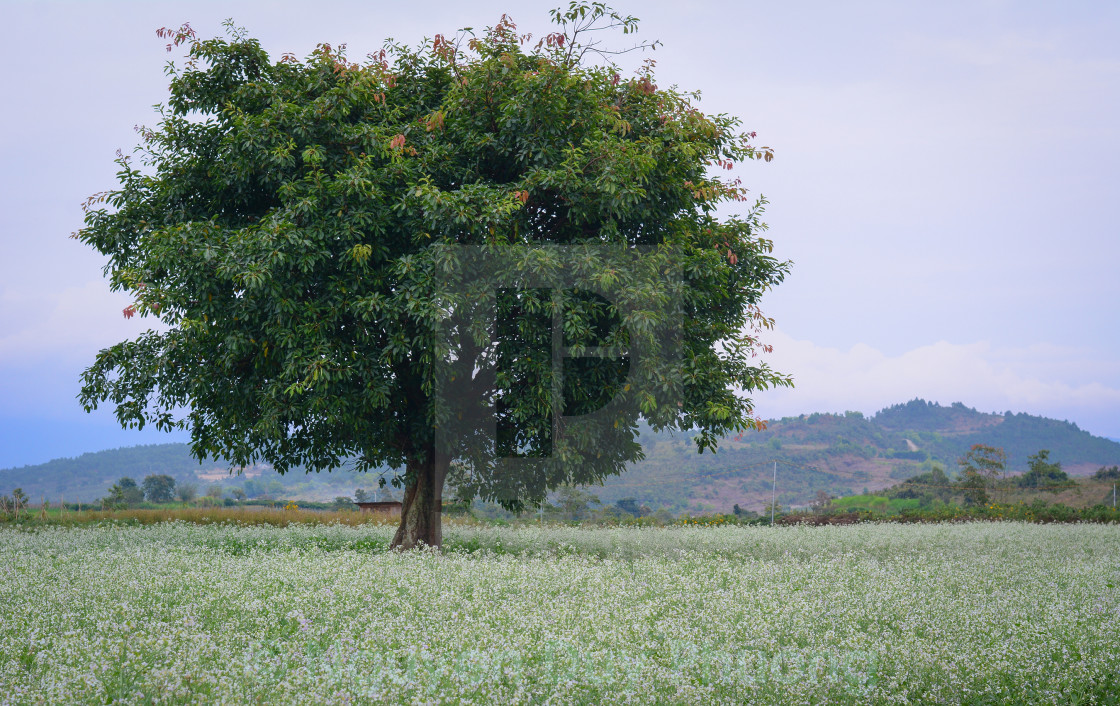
<point x="89" y="478"/>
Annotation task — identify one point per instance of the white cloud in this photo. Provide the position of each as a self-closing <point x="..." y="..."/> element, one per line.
<point x="1034" y="379"/>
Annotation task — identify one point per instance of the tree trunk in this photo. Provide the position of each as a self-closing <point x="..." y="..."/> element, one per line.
<point x="423" y="504"/>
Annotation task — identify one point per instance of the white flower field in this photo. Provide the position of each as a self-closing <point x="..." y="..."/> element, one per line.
<point x="180" y="613"/>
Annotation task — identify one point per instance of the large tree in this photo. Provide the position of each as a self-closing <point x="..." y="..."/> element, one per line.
<point x="358" y="264"/>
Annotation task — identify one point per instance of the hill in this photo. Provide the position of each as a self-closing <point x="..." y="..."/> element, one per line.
<point x="844" y="454"/>
<point x="88" y="477"/>
<point x="840" y="454"/>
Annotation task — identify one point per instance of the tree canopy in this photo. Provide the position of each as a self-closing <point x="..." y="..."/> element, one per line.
<point x="159" y="488"/>
<point x="1044" y="473"/>
<point x="342" y="253"/>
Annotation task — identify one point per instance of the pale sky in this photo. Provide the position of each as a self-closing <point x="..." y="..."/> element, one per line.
<point x="945" y="181"/>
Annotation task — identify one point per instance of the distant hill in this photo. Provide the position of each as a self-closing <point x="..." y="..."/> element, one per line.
<point x="841" y="454"/>
<point x="89" y="476"/>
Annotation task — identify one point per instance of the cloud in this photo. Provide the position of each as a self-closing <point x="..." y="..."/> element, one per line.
<point x="1034" y="379"/>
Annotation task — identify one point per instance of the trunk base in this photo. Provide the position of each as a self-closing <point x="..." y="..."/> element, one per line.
<point x="422" y="508"/>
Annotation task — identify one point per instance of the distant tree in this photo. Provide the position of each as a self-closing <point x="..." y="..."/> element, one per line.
<point x="574" y="502"/>
<point x="821" y="502"/>
<point x="12" y="505"/>
<point x="662" y="516"/>
<point x="1107" y="473"/>
<point x="736" y="510"/>
<point x="981" y="467"/>
<point x="974" y="487"/>
<point x="186" y="491"/>
<point x="212" y="496"/>
<point x="159" y="488"/>
<point x="1043" y="473"/>
<point x="238" y="494"/>
<point x="361" y="495"/>
<point x="124" y="493"/>
<point x="342" y="502"/>
<point x="628" y="505"/>
<point x="775" y="509"/>
<point x="984" y="460"/>
<point x="607" y="514"/>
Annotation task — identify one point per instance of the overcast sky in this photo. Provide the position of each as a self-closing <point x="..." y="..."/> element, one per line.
<point x="946" y="182"/>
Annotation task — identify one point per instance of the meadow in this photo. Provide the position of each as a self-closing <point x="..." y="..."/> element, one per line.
<point x="176" y="612"/>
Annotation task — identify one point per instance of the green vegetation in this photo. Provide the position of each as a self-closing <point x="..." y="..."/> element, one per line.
<point x="837" y="455"/>
<point x="1044" y="474"/>
<point x="947" y="433"/>
<point x="840" y="454"/>
<point x="1107" y="473"/>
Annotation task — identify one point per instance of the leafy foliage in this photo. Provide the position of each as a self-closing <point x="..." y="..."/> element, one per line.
<point x="1044" y="473"/>
<point x="296" y="222"/>
<point x="124" y="493"/>
<point x="186" y="491"/>
<point x="159" y="488"/>
<point x="980" y="467"/>
<point x="1107" y="473"/>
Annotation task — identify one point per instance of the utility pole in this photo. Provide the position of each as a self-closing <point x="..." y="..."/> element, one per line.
<point x="774" y="493"/>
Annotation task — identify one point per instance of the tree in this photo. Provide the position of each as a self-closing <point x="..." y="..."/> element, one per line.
<point x="124" y="493"/>
<point x="821" y="502"/>
<point x="974" y="487"/>
<point x="159" y="488"/>
<point x="1104" y="473"/>
<point x="629" y="506"/>
<point x="772" y="509"/>
<point x="574" y="502"/>
<point x="987" y="461"/>
<point x="186" y="491"/>
<point x="981" y="467"/>
<point x="321" y="239"/>
<point x="12" y="505"/>
<point x="1042" y="473"/>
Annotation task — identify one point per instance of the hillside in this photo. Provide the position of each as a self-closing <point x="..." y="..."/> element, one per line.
<point x="841" y="454"/>
<point x="844" y="454"/>
<point x="89" y="476"/>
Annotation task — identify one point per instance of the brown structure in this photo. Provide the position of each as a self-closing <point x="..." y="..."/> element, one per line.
<point x="390" y="508"/>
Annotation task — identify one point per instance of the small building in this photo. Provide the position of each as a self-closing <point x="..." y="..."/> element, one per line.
<point x="389" y="508"/>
